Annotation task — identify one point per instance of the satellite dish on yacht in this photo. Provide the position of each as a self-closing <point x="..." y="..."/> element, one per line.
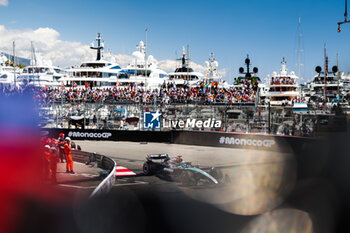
<point x="335" y="69"/>
<point x="318" y="69"/>
<point x="92" y="44"/>
<point x="241" y="70"/>
<point x="255" y="70"/>
<point x="206" y="64"/>
<point x="216" y="64"/>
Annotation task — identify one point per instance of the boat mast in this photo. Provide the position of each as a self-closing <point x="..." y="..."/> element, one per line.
<point x="299" y="48"/>
<point x="325" y="74"/>
<point x="338" y="74"/>
<point x="99" y="47"/>
<point x="188" y="62"/>
<point x="211" y="70"/>
<point x="14" y="63"/>
<point x="247" y="62"/>
<point x="146" y="30"/>
<point x="34" y="61"/>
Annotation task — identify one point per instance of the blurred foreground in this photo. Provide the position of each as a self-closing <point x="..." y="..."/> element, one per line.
<point x="307" y="192"/>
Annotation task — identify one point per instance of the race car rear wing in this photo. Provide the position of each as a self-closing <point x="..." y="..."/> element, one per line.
<point x="157" y="156"/>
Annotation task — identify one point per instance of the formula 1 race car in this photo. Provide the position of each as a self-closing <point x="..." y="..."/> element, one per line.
<point x="178" y="170"/>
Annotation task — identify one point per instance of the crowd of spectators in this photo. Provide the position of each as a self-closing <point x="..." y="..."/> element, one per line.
<point x="167" y="94"/>
<point x="282" y="80"/>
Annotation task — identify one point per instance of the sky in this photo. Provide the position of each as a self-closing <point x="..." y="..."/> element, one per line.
<point x="266" y="30"/>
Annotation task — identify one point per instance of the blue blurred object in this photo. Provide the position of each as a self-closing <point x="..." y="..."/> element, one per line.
<point x="18" y="110"/>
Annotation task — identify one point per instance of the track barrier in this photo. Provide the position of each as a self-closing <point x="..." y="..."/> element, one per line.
<point x="198" y="138"/>
<point x="104" y="163"/>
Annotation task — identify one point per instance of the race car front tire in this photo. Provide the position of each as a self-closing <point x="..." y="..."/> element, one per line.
<point x="149" y="168"/>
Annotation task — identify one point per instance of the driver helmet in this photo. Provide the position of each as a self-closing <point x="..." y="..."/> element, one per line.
<point x="61" y="135"/>
<point x="68" y="139"/>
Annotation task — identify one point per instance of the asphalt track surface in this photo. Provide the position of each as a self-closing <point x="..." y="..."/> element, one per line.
<point x="83" y="182"/>
<point x="262" y="194"/>
<point x="132" y="156"/>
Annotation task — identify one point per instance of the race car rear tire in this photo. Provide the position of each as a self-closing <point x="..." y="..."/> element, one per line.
<point x="149" y="168"/>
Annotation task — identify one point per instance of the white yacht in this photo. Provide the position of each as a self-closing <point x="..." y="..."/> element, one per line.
<point x="7" y="73"/>
<point x="246" y="77"/>
<point x="142" y="72"/>
<point x="213" y="74"/>
<point x="41" y="75"/>
<point x="345" y="78"/>
<point x="305" y="91"/>
<point x="338" y="86"/>
<point x="331" y="87"/>
<point x="185" y="74"/>
<point x="95" y="73"/>
<point x="283" y="87"/>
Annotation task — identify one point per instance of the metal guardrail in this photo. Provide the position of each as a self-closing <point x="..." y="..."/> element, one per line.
<point x="104" y="163"/>
<point x="107" y="184"/>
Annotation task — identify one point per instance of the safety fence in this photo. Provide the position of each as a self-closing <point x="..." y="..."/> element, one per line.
<point x="197" y="138"/>
<point x="281" y="120"/>
<point x="104" y="163"/>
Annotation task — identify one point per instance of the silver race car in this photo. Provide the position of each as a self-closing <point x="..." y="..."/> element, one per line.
<point x="178" y="170"/>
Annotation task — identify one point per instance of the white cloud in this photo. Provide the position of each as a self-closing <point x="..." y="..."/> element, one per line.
<point x="46" y="42"/>
<point x="167" y="65"/>
<point x="198" y="68"/>
<point x="68" y="53"/>
<point x="4" y="3"/>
